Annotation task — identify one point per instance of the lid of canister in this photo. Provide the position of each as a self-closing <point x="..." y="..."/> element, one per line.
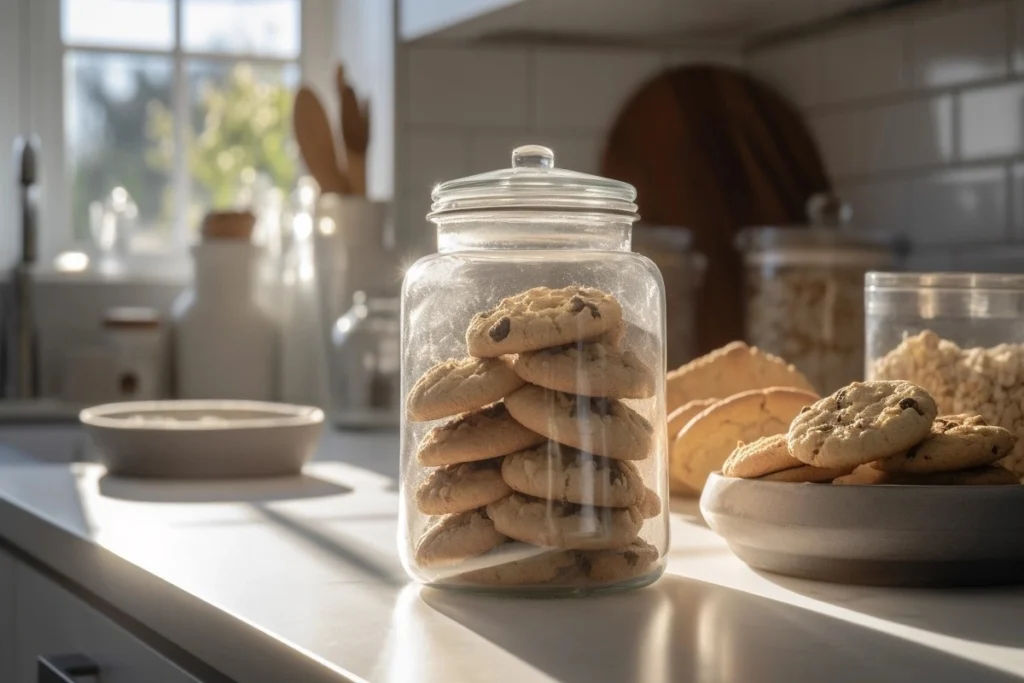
<point x="534" y="183"/>
<point x="131" y="318"/>
<point x="828" y="236"/>
<point x="227" y="225"/>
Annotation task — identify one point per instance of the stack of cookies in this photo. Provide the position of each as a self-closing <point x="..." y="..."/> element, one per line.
<point x="735" y="393"/>
<point x="883" y="432"/>
<point x="539" y="446"/>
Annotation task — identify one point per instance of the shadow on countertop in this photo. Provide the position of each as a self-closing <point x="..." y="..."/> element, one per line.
<point x="980" y="614"/>
<point x="255" y="490"/>
<point x="686" y="630"/>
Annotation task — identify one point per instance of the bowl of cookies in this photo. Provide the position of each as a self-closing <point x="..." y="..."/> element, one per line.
<point x="871" y="486"/>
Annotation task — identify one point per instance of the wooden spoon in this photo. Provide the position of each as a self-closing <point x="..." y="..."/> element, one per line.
<point x="316" y="142"/>
<point x="355" y="131"/>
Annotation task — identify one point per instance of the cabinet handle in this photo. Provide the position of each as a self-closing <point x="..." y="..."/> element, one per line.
<point x="64" y="668"/>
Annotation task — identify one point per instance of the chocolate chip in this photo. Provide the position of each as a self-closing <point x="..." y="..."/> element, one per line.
<point x="995" y="450"/>
<point x="601" y="406"/>
<point x="615" y="475"/>
<point x="584" y="563"/>
<point x="500" y="329"/>
<point x="496" y="410"/>
<point x="631" y="558"/>
<point x="908" y="403"/>
<point x="912" y="453"/>
<point x="840" y="397"/>
<point x="576" y="304"/>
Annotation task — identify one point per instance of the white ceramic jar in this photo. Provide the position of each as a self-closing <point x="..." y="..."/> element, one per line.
<point x="225" y="343"/>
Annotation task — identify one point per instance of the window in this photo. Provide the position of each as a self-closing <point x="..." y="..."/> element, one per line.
<point x="185" y="104"/>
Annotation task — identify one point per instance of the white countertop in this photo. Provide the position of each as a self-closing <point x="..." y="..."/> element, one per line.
<point x="299" y="580"/>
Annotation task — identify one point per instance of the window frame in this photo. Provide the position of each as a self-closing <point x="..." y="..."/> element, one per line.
<point x="43" y="83"/>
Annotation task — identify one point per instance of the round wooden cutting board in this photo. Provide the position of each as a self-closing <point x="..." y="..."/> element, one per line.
<point x="714" y="150"/>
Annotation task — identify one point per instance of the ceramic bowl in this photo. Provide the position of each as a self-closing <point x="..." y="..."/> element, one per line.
<point x="203" y="439"/>
<point x="876" y="535"/>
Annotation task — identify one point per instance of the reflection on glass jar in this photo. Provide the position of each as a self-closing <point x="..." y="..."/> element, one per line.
<point x="804" y="297"/>
<point x="533" y="434"/>
<point x="683" y="272"/>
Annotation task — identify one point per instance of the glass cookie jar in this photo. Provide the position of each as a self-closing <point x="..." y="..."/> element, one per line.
<point x="533" y="367"/>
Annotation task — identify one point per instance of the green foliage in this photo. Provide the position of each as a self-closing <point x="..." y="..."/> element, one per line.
<point x="243" y="124"/>
<point x="239" y="124"/>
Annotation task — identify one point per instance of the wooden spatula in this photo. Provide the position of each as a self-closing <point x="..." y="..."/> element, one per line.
<point x="316" y="142"/>
<point x="355" y="131"/>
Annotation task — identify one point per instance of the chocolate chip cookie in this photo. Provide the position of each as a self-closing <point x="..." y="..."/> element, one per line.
<point x="557" y="472"/>
<point x="619" y="564"/>
<point x="457" y="537"/>
<point x="979" y="476"/>
<point x="461" y="487"/>
<point x="547" y="566"/>
<point x="564" y="525"/>
<point x="540" y="318"/>
<point x="760" y="457"/>
<point x="479" y="435"/>
<point x="862" y="422"/>
<point x="458" y="386"/>
<point x="587" y="369"/>
<point x="956" y="442"/>
<point x="602" y="426"/>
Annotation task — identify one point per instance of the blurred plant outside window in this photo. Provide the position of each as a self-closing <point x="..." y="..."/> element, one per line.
<point x="183" y="105"/>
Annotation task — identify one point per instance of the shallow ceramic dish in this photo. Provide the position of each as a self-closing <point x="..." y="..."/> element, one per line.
<point x="203" y="439"/>
<point x="875" y="535"/>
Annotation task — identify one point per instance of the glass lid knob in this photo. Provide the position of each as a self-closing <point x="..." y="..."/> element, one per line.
<point x="533" y="156"/>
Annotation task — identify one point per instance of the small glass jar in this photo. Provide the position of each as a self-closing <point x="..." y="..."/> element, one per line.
<point x="960" y="336"/>
<point x="804" y="298"/>
<point x="683" y="270"/>
<point x="533" y="365"/>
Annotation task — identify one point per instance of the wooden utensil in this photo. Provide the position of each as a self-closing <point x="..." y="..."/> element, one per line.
<point x="714" y="150"/>
<point x="355" y="131"/>
<point x="316" y="142"/>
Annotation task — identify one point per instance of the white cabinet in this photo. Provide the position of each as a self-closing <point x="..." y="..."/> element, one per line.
<point x="52" y="621"/>
<point x="6" y="617"/>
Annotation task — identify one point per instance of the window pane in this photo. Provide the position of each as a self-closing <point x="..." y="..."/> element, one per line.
<point x="119" y="132"/>
<point x="256" y="27"/>
<point x="239" y="129"/>
<point x="119" y="23"/>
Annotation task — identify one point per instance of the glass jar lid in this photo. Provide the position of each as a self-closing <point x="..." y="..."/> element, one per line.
<point x="535" y="184"/>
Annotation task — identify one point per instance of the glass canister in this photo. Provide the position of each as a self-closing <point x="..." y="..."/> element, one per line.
<point x="683" y="270"/>
<point x="533" y="365"/>
<point x="804" y="291"/>
<point x="960" y="336"/>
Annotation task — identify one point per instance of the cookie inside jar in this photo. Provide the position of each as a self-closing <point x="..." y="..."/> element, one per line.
<point x="534" y="454"/>
<point x="546" y="486"/>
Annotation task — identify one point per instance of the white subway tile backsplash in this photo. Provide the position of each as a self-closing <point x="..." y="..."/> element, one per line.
<point x="430" y="158"/>
<point x="882" y="206"/>
<point x="929" y="260"/>
<point x="490" y="151"/>
<point x="841" y="140"/>
<point x="1017" y="11"/>
<point x="468" y="87"/>
<point x="958" y="47"/>
<point x="794" y="69"/>
<point x="961" y="205"/>
<point x="909" y="134"/>
<point x="1017" y="192"/>
<point x="583" y="90"/>
<point x="866" y="62"/>
<point x="992" y="121"/>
